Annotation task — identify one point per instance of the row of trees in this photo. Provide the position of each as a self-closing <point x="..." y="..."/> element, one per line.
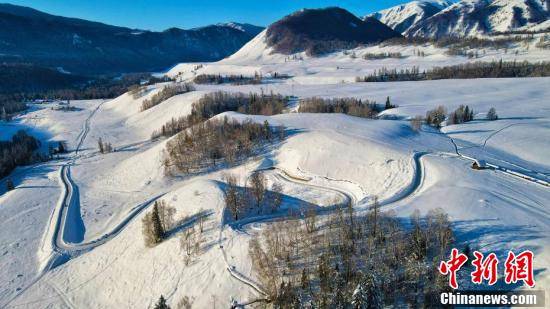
<point x="215" y="142"/>
<point x="104" y="147"/>
<point x="461" y="114"/>
<point x="352" y="260"/>
<point x="495" y="69"/>
<point x="254" y="198"/>
<point x="20" y="150"/>
<point x="212" y="104"/>
<point x="350" y="106"/>
<point x="166" y="93"/>
<point x="233" y="79"/>
<point x="461" y="42"/>
<point x="377" y="56"/>
<point x="392" y="75"/>
<point x="436" y="116"/>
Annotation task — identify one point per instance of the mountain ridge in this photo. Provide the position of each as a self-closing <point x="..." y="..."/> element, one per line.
<point x="436" y="19"/>
<point x="319" y="31"/>
<point x="89" y="47"/>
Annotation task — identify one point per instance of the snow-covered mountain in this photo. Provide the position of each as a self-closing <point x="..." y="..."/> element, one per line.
<point x="89" y="48"/>
<point x="318" y="31"/>
<point x="402" y="17"/>
<point x="244" y="27"/>
<point x="478" y="17"/>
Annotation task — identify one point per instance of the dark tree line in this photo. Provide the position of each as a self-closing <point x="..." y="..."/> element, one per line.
<point x="228" y="79"/>
<point x="462" y="114"/>
<point x="495" y="69"/>
<point x="218" y="102"/>
<point x="10" y="104"/>
<point x="373" y="56"/>
<point x="13" y="101"/>
<point x="393" y="75"/>
<point x="350" y="106"/>
<point x="215" y="142"/>
<point x="461" y="42"/>
<point x="19" y="151"/>
<point x="166" y="93"/>
<point x="351" y="260"/>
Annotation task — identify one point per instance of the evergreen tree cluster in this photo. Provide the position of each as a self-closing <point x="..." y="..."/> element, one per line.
<point x="461" y="114"/>
<point x="166" y="93"/>
<point x="393" y="75"/>
<point x="228" y="79"/>
<point x="215" y="103"/>
<point x="20" y="150"/>
<point x="377" y="56"/>
<point x="352" y="260"/>
<point x="495" y="69"/>
<point x="214" y="142"/>
<point x="349" y="106"/>
<point x="104" y="147"/>
<point x="462" y="42"/>
<point x="157" y="223"/>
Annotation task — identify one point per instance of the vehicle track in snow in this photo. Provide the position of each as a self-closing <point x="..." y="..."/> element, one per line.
<point x="516" y="173"/>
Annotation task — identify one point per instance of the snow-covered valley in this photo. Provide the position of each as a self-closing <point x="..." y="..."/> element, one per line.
<point x="71" y="233"/>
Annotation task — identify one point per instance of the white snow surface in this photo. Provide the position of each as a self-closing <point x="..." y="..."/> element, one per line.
<point x="325" y="157"/>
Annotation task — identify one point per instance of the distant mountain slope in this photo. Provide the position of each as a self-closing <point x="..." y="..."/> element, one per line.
<point x="32" y="78"/>
<point x="85" y="47"/>
<point x="475" y="17"/>
<point x="317" y="31"/>
<point x="402" y="17"/>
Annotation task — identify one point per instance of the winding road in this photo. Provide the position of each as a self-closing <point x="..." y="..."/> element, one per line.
<point x="66" y="229"/>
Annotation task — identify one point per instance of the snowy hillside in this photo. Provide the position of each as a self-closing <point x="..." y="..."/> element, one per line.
<point x="478" y="17"/>
<point x="403" y="17"/>
<point x="79" y="229"/>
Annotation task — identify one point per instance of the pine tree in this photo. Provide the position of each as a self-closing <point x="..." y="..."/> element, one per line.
<point x="100" y="145"/>
<point x="158" y="231"/>
<point x="9" y="185"/>
<point x="304" y="280"/>
<point x="388" y="103"/>
<point x="359" y="299"/>
<point x="492" y="114"/>
<point x="367" y="294"/>
<point x="61" y="147"/>
<point x="161" y="304"/>
<point x="4" y="115"/>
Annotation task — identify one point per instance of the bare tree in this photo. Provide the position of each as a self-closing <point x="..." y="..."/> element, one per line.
<point x="258" y="187"/>
<point x="232" y="195"/>
<point x="416" y="123"/>
<point x="276" y="196"/>
<point x="492" y="114"/>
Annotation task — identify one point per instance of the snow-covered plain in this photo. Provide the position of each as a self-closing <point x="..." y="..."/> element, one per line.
<point x="99" y="260"/>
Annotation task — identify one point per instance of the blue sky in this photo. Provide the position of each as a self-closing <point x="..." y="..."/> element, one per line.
<point x="162" y="14"/>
